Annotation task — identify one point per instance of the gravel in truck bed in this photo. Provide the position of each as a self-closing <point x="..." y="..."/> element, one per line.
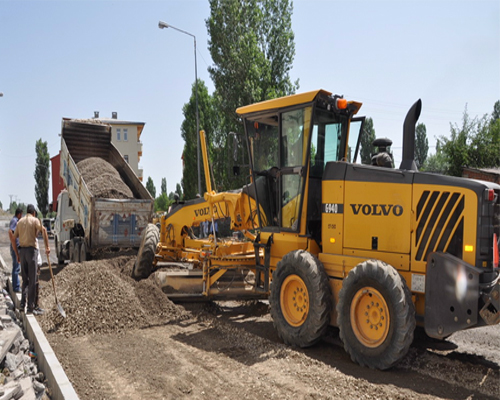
<point x="103" y="180"/>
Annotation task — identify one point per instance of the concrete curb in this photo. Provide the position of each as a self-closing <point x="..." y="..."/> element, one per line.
<point x="58" y="382"/>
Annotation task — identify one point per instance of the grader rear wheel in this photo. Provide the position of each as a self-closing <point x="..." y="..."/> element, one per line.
<point x="376" y="315"/>
<point x="300" y="299"/>
<point x="146" y="255"/>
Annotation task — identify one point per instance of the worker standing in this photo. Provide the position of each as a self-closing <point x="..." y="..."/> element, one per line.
<point x="16" y="268"/>
<point x="27" y="230"/>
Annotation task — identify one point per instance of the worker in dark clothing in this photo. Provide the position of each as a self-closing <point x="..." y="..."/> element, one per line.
<point x="16" y="268"/>
<point x="27" y="230"/>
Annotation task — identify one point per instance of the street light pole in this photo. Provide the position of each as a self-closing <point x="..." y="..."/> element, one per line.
<point x="162" y="25"/>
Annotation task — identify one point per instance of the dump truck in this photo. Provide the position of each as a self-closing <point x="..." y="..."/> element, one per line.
<point x="372" y="250"/>
<point x="84" y="222"/>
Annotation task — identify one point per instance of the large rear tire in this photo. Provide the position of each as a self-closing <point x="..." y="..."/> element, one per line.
<point x="301" y="299"/>
<point x="376" y="315"/>
<point x="144" y="263"/>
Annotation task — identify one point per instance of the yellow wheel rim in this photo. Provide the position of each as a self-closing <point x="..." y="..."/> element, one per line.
<point x="370" y="319"/>
<point x="294" y="300"/>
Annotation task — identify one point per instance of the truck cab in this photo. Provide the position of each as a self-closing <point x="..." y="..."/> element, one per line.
<point x="63" y="226"/>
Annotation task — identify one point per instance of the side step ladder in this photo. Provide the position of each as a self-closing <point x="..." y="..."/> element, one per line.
<point x="262" y="283"/>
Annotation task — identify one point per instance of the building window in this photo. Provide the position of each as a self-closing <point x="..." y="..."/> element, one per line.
<point x="126" y="158"/>
<point x="125" y="134"/>
<point x="118" y="134"/>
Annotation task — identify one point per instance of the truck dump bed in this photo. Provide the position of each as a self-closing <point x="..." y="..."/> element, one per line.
<point x="106" y="222"/>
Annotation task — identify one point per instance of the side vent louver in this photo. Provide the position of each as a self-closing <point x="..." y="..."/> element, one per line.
<point x="439" y="224"/>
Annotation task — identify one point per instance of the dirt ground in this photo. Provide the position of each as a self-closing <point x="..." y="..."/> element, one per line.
<point x="126" y="340"/>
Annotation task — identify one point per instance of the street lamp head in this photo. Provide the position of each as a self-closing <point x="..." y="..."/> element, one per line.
<point x="162" y="25"/>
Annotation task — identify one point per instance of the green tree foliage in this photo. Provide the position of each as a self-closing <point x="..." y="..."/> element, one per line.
<point x="475" y="143"/>
<point x="436" y="163"/>
<point x="421" y="145"/>
<point x="178" y="190"/>
<point x="208" y="123"/>
<point x="162" y="203"/>
<point x="163" y="185"/>
<point x="42" y="174"/>
<point x="252" y="46"/>
<point x="496" y="112"/>
<point x="14" y="205"/>
<point x="367" y="138"/>
<point x="150" y="186"/>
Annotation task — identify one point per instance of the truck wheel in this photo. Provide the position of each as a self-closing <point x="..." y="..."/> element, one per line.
<point x="376" y="315"/>
<point x="84" y="255"/>
<point x="75" y="254"/>
<point x="301" y="299"/>
<point x="60" y="258"/>
<point x="146" y="255"/>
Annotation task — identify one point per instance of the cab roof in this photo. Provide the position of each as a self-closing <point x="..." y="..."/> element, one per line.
<point x="281" y="102"/>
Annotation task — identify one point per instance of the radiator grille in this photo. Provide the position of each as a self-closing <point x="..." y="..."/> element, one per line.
<point x="440" y="218"/>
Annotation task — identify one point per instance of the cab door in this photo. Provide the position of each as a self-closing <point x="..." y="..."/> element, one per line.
<point x="295" y="132"/>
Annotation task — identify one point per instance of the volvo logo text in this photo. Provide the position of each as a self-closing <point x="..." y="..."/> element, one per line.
<point x="377" y="209"/>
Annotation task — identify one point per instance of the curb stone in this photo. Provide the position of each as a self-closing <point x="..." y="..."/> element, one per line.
<point x="20" y="338"/>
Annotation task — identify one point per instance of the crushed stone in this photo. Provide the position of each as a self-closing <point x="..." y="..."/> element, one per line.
<point x="103" y="180"/>
<point x="100" y="297"/>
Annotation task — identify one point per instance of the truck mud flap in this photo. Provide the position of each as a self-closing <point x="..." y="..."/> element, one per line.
<point x="451" y="295"/>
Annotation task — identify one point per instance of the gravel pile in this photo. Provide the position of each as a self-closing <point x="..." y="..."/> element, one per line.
<point x="103" y="180"/>
<point x="101" y="297"/>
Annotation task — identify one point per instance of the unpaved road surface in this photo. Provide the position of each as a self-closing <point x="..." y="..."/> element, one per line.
<point x="126" y="340"/>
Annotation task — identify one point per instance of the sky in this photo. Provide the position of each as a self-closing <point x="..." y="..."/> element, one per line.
<point x="71" y="58"/>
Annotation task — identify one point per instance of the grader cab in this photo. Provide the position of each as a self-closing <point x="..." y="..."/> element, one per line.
<point x="329" y="241"/>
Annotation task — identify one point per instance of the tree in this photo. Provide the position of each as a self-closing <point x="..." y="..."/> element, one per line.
<point x="421" y="145"/>
<point x="436" y="163"/>
<point x="150" y="186"/>
<point x="163" y="185"/>
<point x="208" y="122"/>
<point x="475" y="143"/>
<point x="367" y="138"/>
<point x="42" y="174"/>
<point x="496" y="112"/>
<point x="14" y="205"/>
<point x="252" y="46"/>
<point x="162" y="203"/>
<point x="178" y="190"/>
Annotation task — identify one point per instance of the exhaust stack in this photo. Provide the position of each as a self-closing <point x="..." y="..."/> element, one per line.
<point x="411" y="119"/>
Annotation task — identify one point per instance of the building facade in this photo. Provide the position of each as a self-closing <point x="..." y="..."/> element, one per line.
<point x="126" y="136"/>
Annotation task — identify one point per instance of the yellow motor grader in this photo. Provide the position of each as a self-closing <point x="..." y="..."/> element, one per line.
<point x="328" y="241"/>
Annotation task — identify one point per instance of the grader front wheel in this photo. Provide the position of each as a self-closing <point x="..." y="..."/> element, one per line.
<point x="294" y="300"/>
<point x="376" y="315"/>
<point x="300" y="299"/>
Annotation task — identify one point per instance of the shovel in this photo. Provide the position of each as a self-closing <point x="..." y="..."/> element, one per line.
<point x="59" y="307"/>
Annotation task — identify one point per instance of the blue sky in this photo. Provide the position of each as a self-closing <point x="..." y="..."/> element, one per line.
<point x="71" y="58"/>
